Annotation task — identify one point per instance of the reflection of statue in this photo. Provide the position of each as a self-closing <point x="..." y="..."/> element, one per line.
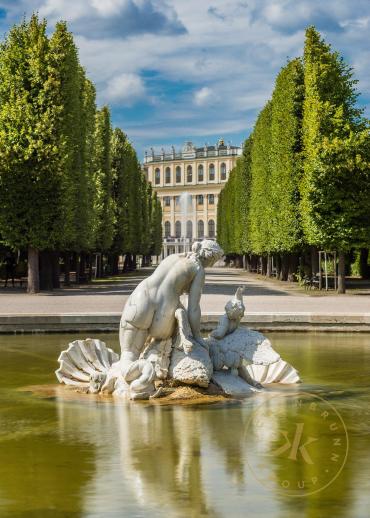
<point x="159" y="338"/>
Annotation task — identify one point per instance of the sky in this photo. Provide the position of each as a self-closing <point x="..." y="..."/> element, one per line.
<point x="179" y="70"/>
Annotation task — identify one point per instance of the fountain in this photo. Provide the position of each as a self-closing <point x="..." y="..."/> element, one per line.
<point x="161" y="342"/>
<point x="186" y="208"/>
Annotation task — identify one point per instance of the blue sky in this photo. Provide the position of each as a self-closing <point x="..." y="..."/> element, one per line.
<point x="176" y="70"/>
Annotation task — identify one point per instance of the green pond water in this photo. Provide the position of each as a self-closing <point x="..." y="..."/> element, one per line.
<point x="270" y="455"/>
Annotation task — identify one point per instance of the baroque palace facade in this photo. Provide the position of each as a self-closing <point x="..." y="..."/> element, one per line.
<point x="188" y="184"/>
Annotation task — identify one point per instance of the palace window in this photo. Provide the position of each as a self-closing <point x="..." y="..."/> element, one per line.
<point x="157" y="176"/>
<point x="168" y="175"/>
<point x="211" y="171"/>
<point x="200" y="199"/>
<point x="200" y="173"/>
<point x="211" y="199"/>
<point x="189" y="174"/>
<point x="211" y="228"/>
<point x="178" y="174"/>
<point x="200" y="228"/>
<point x="177" y="200"/>
<point x="167" y="201"/>
<point x="167" y="229"/>
<point x="189" y="229"/>
<point x="223" y="171"/>
<point x="178" y="229"/>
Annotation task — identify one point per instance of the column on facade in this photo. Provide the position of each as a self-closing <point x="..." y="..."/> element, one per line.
<point x="205" y="214"/>
<point x="217" y="170"/>
<point x="172" y="215"/>
<point x="194" y="215"/>
<point x="215" y="218"/>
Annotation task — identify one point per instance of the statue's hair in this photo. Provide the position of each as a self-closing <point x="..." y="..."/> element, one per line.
<point x="207" y="248"/>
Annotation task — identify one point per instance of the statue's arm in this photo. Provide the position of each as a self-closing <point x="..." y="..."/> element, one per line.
<point x="222" y="328"/>
<point x="194" y="314"/>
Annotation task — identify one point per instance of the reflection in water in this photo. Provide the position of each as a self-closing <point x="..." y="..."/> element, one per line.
<point x="96" y="458"/>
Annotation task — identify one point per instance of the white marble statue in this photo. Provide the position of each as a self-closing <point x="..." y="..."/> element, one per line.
<point x="161" y="339"/>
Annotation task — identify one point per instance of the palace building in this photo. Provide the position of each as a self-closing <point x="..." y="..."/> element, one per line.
<point x="188" y="184"/>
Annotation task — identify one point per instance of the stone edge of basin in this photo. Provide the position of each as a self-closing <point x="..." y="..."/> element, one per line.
<point x="103" y="322"/>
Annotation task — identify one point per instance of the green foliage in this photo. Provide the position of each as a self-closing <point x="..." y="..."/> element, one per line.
<point x="336" y="183"/>
<point x="286" y="161"/>
<point x="103" y="182"/>
<point x="304" y="176"/>
<point x="261" y="208"/>
<point x="68" y="79"/>
<point x="32" y="206"/>
<point x="135" y="213"/>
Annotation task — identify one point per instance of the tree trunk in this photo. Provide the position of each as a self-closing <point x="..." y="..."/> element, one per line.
<point x="254" y="262"/>
<point x="315" y="267"/>
<point x="127" y="263"/>
<point x="341" y="272"/>
<point x="364" y="267"/>
<point x="268" y="266"/>
<point x="247" y="263"/>
<point x="293" y="266"/>
<point x="55" y="269"/>
<point x="33" y="280"/>
<point x="91" y="258"/>
<point x="264" y="265"/>
<point x="284" y="267"/>
<point x="76" y="261"/>
<point x="278" y="266"/>
<point x="133" y="264"/>
<point x="82" y="268"/>
<point x="46" y="270"/>
<point x="115" y="260"/>
<point x="67" y="268"/>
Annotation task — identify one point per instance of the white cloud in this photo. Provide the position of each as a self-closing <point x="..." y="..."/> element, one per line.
<point x="204" y="96"/>
<point x="125" y="89"/>
<point x="227" y="56"/>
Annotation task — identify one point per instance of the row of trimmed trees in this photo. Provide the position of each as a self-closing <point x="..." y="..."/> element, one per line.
<point x="303" y="181"/>
<point x="69" y="185"/>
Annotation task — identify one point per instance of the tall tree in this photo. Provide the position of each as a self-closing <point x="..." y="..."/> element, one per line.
<point x="32" y="196"/>
<point x="261" y="211"/>
<point x="286" y="162"/>
<point x="103" y="182"/>
<point x="336" y="184"/>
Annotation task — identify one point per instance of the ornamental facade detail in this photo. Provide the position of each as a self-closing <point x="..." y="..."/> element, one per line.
<point x="188" y="184"/>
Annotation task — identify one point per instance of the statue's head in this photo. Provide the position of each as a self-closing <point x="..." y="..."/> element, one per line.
<point x="208" y="251"/>
<point x="235" y="308"/>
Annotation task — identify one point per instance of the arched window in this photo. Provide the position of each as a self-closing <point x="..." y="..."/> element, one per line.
<point x="189" y="174"/>
<point x="168" y="175"/>
<point x="223" y="171"/>
<point x="178" y="174"/>
<point x="211" y="171"/>
<point x="200" y="228"/>
<point x="167" y="229"/>
<point x="211" y="228"/>
<point x="157" y="176"/>
<point x="178" y="229"/>
<point x="200" y="173"/>
<point x="189" y="228"/>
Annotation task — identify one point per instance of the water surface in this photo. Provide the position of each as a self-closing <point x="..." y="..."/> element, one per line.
<point x="62" y="458"/>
